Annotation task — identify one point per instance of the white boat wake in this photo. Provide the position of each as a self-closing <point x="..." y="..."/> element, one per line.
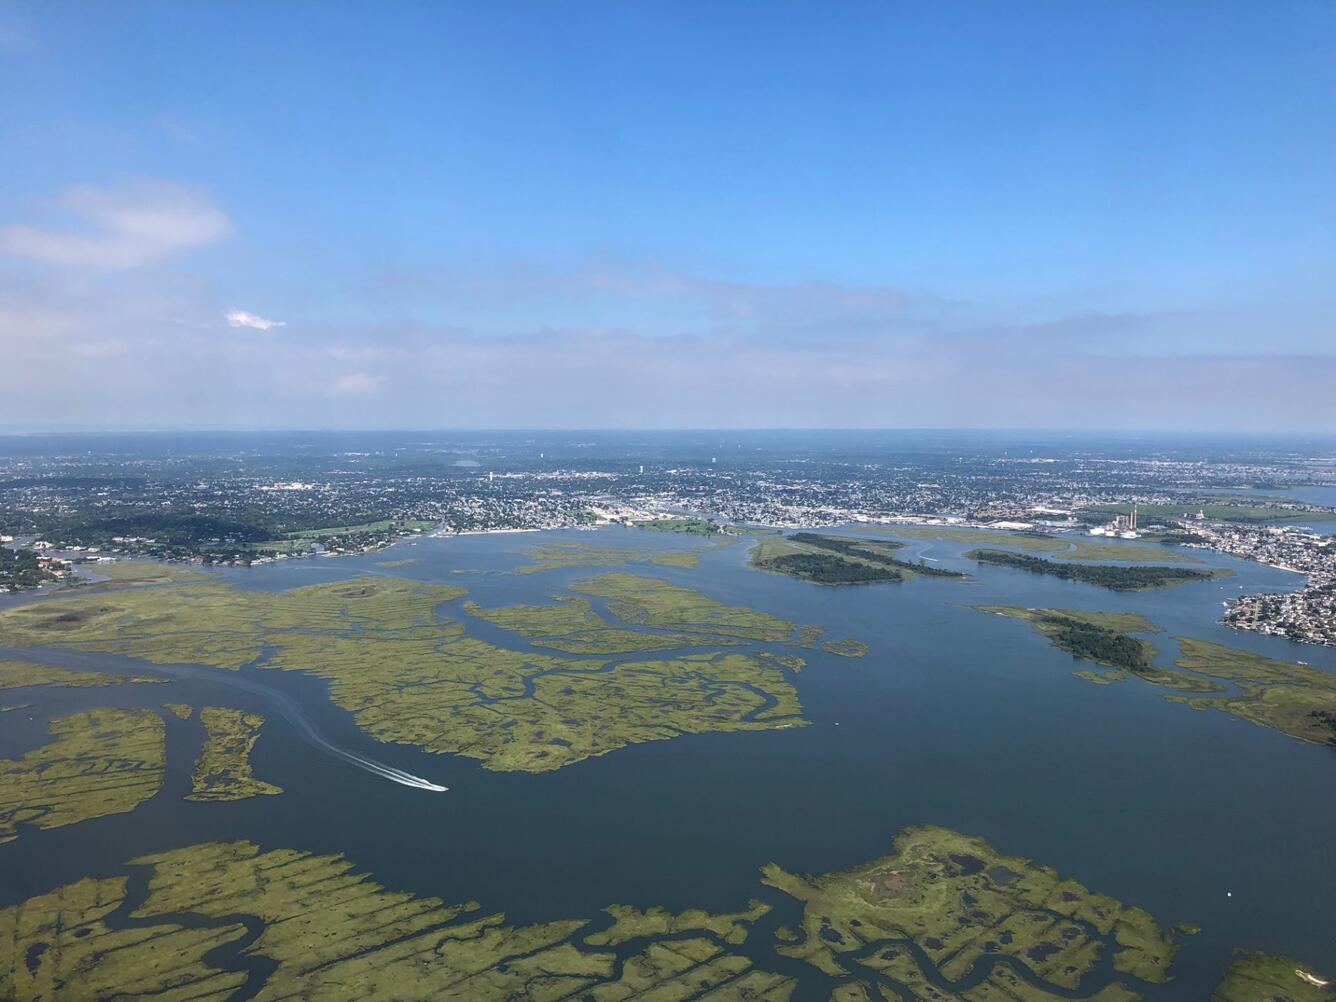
<point x="293" y="714"/>
<point x="290" y="710"/>
<point x="375" y="768"/>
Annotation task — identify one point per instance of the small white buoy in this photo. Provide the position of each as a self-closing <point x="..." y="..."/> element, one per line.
<point x="837" y="723"/>
<point x="1229" y="894"/>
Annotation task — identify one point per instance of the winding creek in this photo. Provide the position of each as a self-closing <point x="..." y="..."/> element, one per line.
<point x="954" y="718"/>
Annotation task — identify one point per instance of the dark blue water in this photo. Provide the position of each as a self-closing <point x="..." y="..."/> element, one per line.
<point x="1323" y="523"/>
<point x="954" y="718"/>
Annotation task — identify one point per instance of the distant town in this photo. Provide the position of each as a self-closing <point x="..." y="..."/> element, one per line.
<point x="286" y="500"/>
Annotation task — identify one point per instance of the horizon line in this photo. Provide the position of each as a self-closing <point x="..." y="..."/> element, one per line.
<point x="685" y="429"/>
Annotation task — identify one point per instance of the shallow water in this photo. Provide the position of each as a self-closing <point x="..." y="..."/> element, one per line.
<point x="954" y="718"/>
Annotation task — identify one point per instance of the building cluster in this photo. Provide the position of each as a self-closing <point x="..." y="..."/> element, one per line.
<point x="1123" y="526"/>
<point x="58" y="567"/>
<point x="244" y="504"/>
<point x="23" y="567"/>
<point x="1307" y="614"/>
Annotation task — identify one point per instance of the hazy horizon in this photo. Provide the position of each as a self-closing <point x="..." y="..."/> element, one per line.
<point x="669" y="216"/>
<point x="1029" y="436"/>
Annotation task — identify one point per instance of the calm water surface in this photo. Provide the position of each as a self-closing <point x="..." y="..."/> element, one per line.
<point x="954" y="718"/>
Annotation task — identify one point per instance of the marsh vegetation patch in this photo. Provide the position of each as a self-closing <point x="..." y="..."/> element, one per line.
<point x="1115" y="577"/>
<point x="556" y="556"/>
<point x="1067" y="547"/>
<point x="410" y="676"/>
<point x="100" y="762"/>
<point x="21" y="674"/>
<point x="953" y="902"/>
<point x="223" y="770"/>
<point x="839" y="560"/>
<point x="939" y="910"/>
<point x="1291" y="698"/>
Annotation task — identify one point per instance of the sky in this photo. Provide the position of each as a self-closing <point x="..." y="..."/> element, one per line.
<point x="997" y="214"/>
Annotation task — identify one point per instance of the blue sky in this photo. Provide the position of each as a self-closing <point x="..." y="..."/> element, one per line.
<point x="999" y="214"/>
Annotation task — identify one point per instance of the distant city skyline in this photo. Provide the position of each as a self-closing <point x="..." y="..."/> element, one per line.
<point x="664" y="215"/>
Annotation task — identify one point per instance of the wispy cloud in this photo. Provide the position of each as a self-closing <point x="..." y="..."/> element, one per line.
<point x="568" y="377"/>
<point x="356" y="384"/>
<point x="121" y="228"/>
<point x="664" y="302"/>
<point x="649" y="349"/>
<point x="240" y="318"/>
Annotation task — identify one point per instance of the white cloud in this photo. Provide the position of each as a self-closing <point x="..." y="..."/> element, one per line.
<point x="121" y="228"/>
<point x="577" y="378"/>
<point x="356" y="384"/>
<point x="240" y="318"/>
<point x="136" y="342"/>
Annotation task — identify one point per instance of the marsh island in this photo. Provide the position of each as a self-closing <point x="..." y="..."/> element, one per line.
<point x="412" y="676"/>
<point x="1115" y="577"/>
<point x="939" y="909"/>
<point x="839" y="560"/>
